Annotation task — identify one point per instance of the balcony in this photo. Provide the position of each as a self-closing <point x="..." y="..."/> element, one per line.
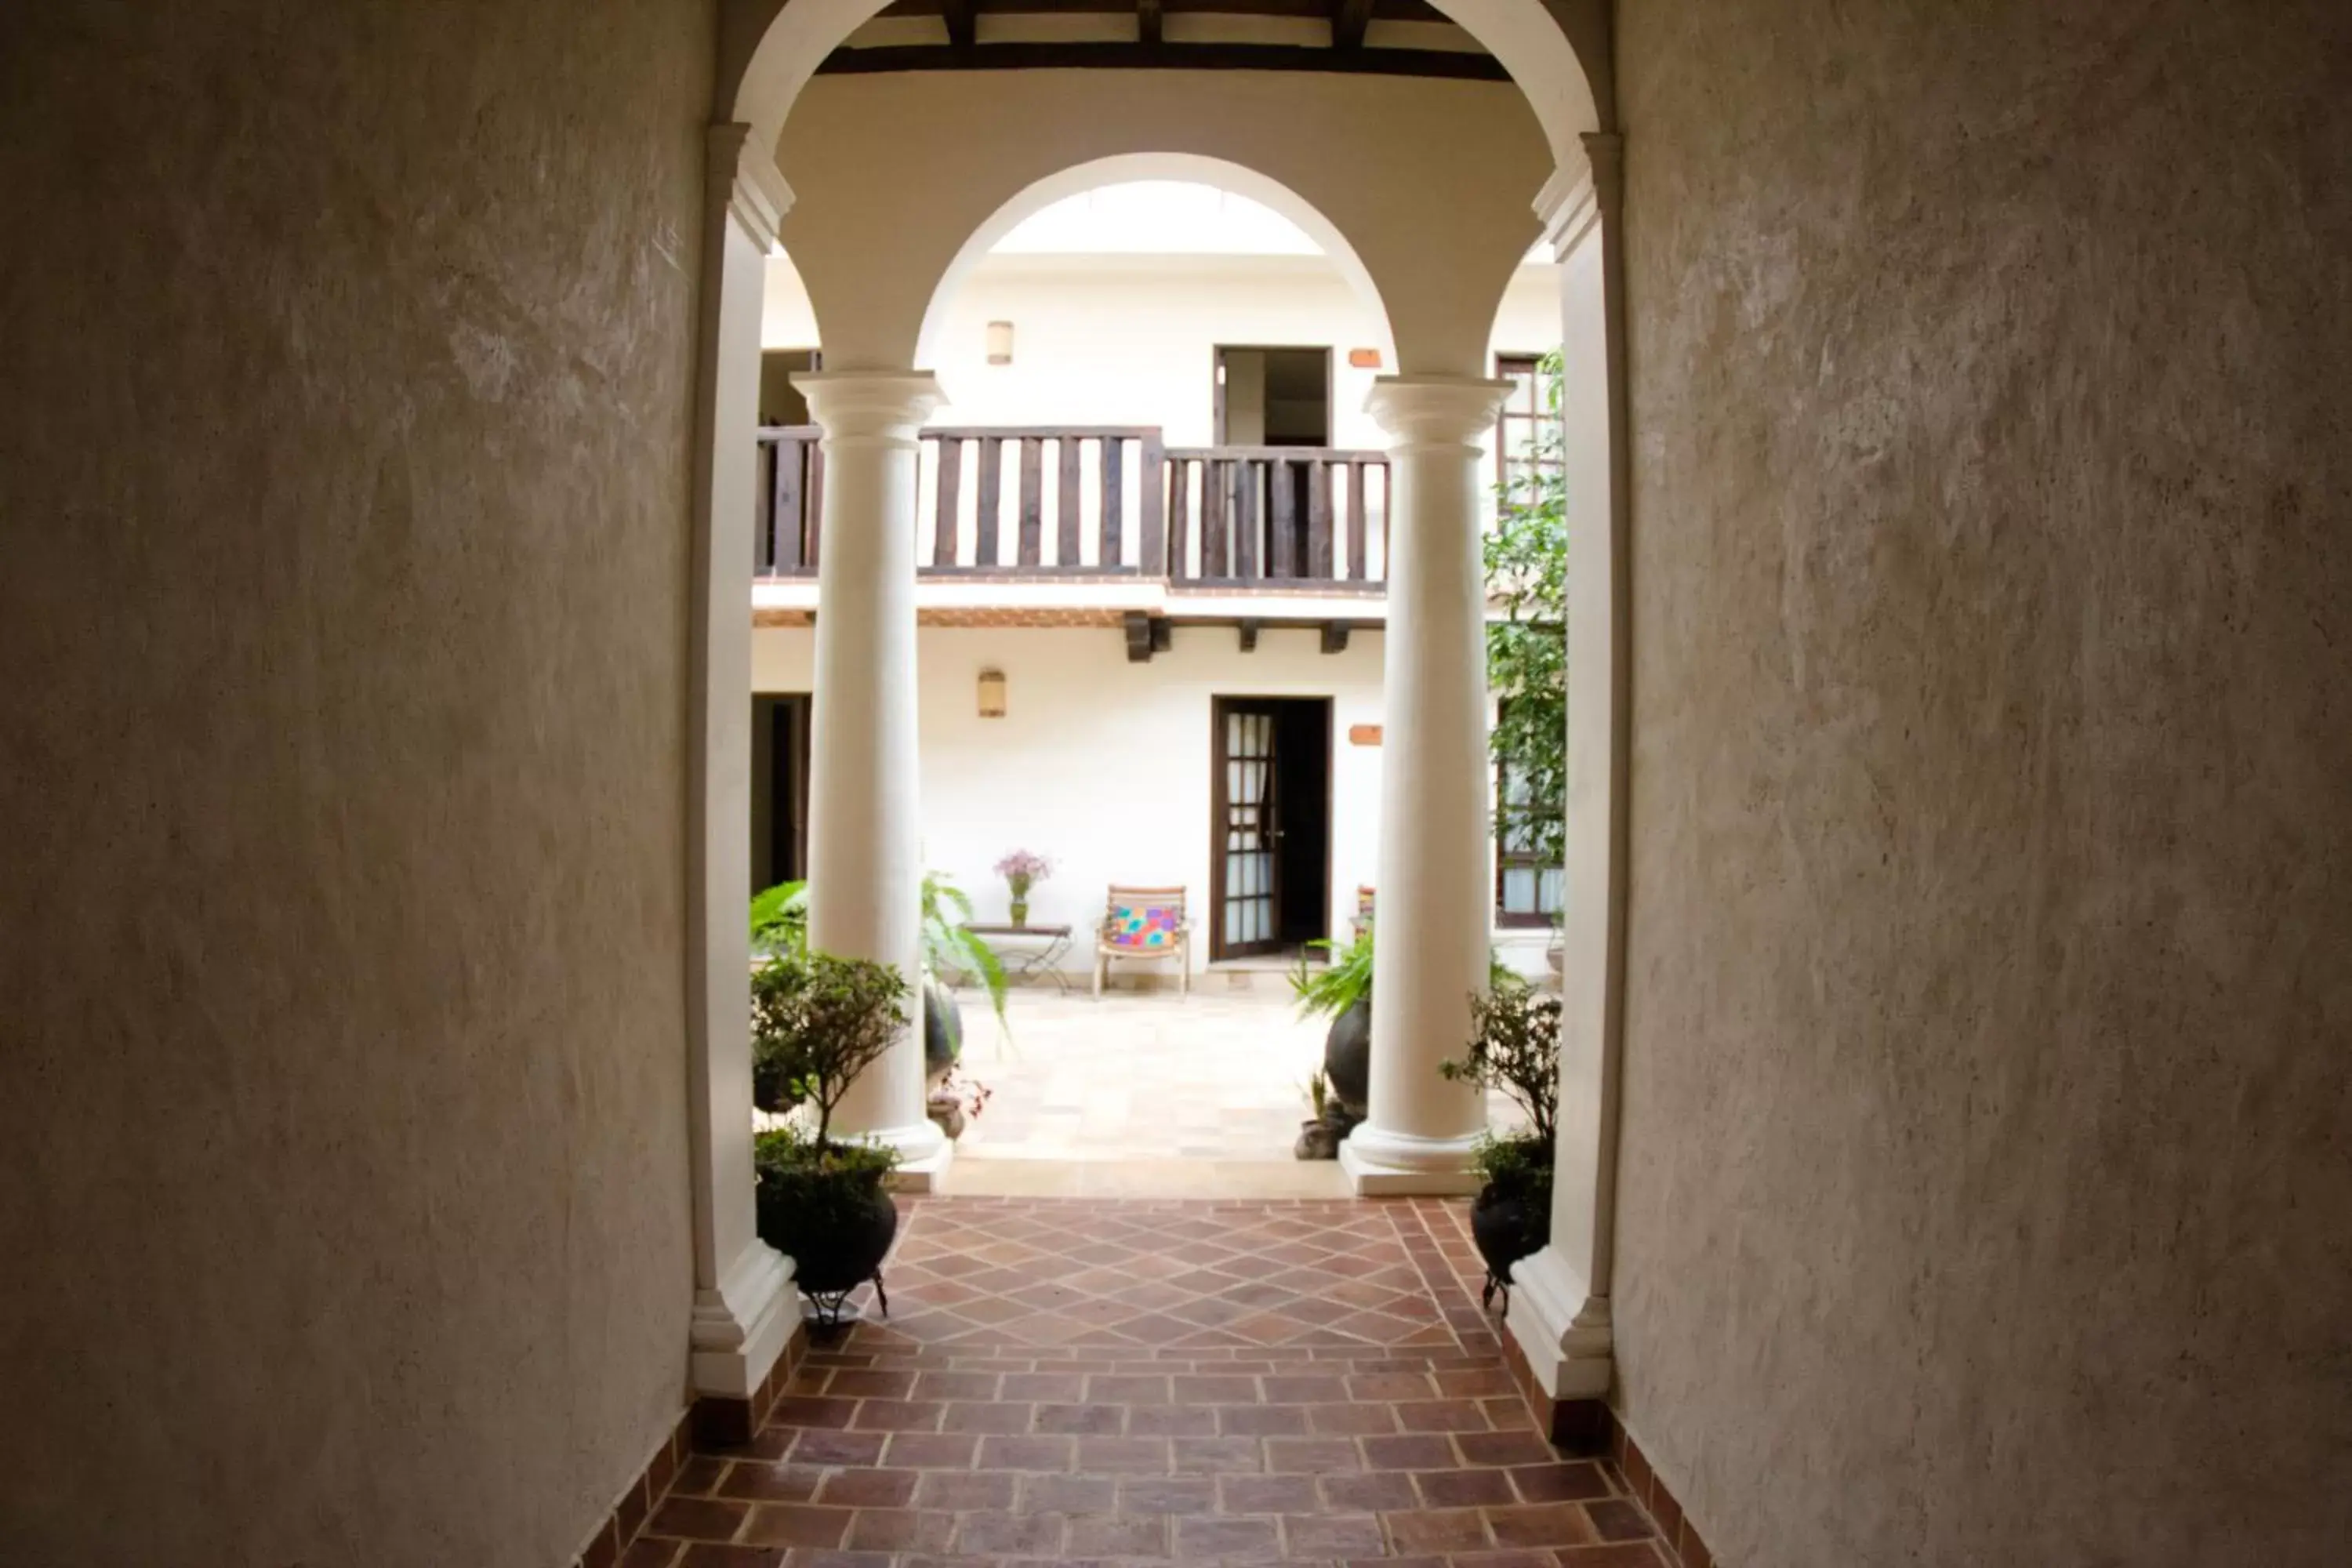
<point x="1107" y="519"/>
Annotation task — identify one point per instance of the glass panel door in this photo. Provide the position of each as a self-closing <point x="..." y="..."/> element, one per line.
<point x="1248" y="830"/>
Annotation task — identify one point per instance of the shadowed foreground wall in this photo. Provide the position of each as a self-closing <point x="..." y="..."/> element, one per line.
<point x="1986" y="1194"/>
<point x="342" y="607"/>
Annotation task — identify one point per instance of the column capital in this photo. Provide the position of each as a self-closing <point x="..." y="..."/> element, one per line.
<point x="870" y="405"/>
<point x="1436" y="410"/>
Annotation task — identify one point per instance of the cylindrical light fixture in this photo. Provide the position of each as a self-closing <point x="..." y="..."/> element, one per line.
<point x="1000" y="342"/>
<point x="992" y="694"/>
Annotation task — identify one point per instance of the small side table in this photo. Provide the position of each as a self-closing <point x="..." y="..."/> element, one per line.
<point x="1039" y="952"/>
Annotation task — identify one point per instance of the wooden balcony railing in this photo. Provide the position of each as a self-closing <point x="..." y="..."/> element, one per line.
<point x="1103" y="500"/>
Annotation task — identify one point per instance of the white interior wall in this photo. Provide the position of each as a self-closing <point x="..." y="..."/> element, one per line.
<point x="1130" y="340"/>
<point x="1101" y="765"/>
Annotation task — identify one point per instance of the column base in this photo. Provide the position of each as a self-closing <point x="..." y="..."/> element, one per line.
<point x="924" y="1156"/>
<point x="1384" y="1165"/>
<point x="1561" y="1330"/>
<point x="739" y="1329"/>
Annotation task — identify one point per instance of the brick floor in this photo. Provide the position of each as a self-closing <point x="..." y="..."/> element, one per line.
<point x="1131" y="1383"/>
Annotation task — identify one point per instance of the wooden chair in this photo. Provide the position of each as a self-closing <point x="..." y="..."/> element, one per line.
<point x="1147" y="923"/>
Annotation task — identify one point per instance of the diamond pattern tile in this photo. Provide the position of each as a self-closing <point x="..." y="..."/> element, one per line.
<point x="1141" y="1384"/>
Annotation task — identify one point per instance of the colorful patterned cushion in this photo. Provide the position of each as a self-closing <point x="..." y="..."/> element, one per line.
<point x="1143" y="926"/>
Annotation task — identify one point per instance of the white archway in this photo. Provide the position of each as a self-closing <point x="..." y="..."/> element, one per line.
<point x="1124" y="168"/>
<point x="1521" y="33"/>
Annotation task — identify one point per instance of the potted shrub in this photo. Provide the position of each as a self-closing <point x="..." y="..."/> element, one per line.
<point x="1021" y="870"/>
<point x="1515" y="1049"/>
<point x="780" y="925"/>
<point x="1341" y="990"/>
<point x="817" y="1023"/>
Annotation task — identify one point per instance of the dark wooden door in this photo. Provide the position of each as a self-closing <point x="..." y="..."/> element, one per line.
<point x="1248" y="830"/>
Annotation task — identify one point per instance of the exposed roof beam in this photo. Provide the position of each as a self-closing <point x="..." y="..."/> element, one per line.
<point x="1441" y="63"/>
<point x="1147" y="23"/>
<point x="962" y="17"/>
<point x="1349" y="20"/>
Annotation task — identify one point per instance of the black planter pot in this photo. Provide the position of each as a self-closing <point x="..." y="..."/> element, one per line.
<point x="835" y="1229"/>
<point x="1507" y="1229"/>
<point x="942" y="1029"/>
<point x="1348" y="1055"/>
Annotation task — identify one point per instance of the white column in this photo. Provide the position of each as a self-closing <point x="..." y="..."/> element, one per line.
<point x="744" y="1306"/>
<point x="864" y="801"/>
<point x="1559" y="1312"/>
<point x="1434" y="891"/>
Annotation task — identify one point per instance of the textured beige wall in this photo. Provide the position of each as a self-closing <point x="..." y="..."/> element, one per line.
<point x="342" y="565"/>
<point x="1987" y="1177"/>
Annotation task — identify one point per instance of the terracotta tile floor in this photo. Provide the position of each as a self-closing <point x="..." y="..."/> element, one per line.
<point x="1069" y="1381"/>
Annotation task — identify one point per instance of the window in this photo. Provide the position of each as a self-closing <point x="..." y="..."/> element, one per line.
<point x="1522" y="447"/>
<point x="1527" y="887"/>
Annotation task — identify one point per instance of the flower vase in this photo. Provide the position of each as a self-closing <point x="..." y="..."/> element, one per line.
<point x="1020" y="912"/>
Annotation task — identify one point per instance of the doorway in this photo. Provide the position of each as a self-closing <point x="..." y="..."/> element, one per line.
<point x="1270" y="824"/>
<point x="1273" y="398"/>
<point x="779" y="752"/>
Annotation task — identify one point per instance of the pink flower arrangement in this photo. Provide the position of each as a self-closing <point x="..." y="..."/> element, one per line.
<point x="1021" y="868"/>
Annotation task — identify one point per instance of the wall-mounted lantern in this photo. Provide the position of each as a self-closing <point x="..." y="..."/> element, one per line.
<point x="1000" y="342"/>
<point x="992" y="694"/>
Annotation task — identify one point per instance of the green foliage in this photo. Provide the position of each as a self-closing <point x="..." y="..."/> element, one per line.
<point x="1332" y="989"/>
<point x="780" y="919"/>
<point x="1526" y="651"/>
<point x="1318" y="1093"/>
<point x="949" y="941"/>
<point x="780" y="926"/>
<point x="1515" y="1049"/>
<point x="824" y="1185"/>
<point x="817" y="1023"/>
<point x="1516" y="1165"/>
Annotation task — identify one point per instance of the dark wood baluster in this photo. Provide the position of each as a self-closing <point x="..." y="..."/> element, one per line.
<point x="1216" y="486"/>
<point x="950" y="488"/>
<point x="1032" y="502"/>
<point x="989" y="482"/>
<point x="1179" y="520"/>
<point x="1066" y="505"/>
<point x="1247" y="474"/>
<point x="1282" y="506"/>
<point x="1319" y="519"/>
<point x="812" y="509"/>
<point x="1114" y="504"/>
<point x="1358" y="560"/>
<point x="1151" y="533"/>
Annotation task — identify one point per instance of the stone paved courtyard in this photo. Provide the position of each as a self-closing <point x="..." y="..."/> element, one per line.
<point x="1141" y="1076"/>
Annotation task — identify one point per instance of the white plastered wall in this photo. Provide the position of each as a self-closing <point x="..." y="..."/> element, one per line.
<point x="879" y="220"/>
<point x="1103" y="765"/>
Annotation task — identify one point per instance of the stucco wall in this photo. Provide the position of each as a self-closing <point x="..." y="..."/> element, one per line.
<point x="343" y="490"/>
<point x="1132" y="339"/>
<point x="879" y="218"/>
<point x="1102" y="765"/>
<point x="1987" y="1190"/>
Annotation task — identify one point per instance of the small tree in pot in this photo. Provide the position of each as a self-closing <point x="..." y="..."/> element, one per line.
<point x="817" y="1023"/>
<point x="1516" y="1050"/>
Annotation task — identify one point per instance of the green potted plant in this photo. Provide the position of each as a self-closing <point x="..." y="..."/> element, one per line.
<point x="1341" y="990"/>
<point x="780" y="925"/>
<point x="1514" y="1048"/>
<point x="818" y="1022"/>
<point x="1021" y="871"/>
<point x="1319" y="1138"/>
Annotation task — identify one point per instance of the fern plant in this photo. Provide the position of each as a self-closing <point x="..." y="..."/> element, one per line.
<point x="779" y="927"/>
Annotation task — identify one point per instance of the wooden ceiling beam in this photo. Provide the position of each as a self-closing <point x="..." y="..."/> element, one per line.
<point x="1350" y="19"/>
<point x="962" y="17"/>
<point x="1147" y="23"/>
<point x="1445" y="64"/>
